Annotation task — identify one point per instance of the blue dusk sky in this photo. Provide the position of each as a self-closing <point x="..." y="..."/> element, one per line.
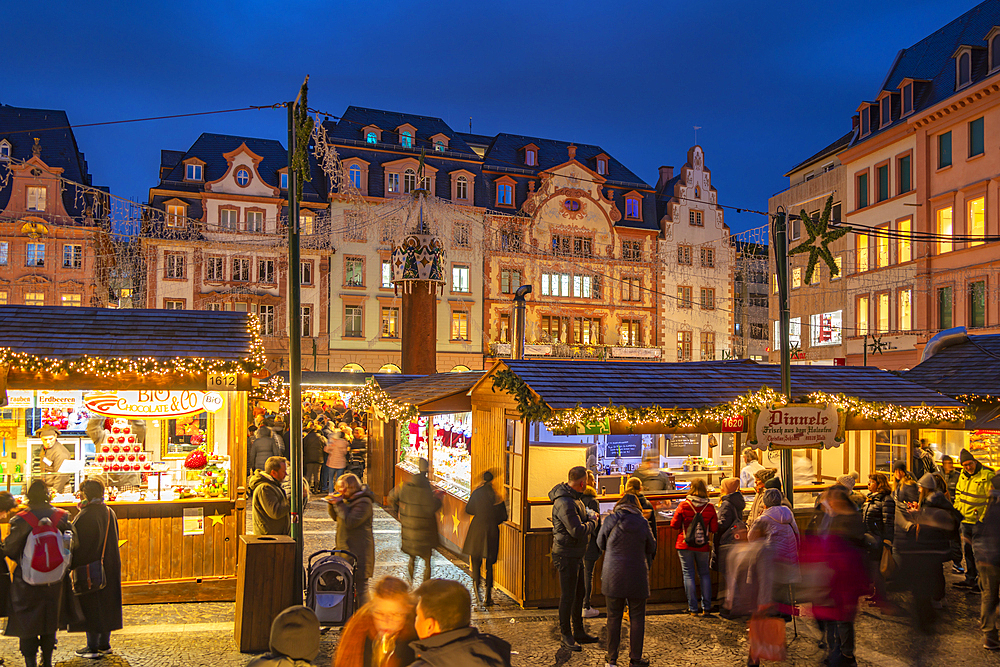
<point x="769" y="82"/>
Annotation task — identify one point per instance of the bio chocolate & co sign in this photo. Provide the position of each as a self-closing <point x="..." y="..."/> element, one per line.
<point x="153" y="404"/>
<point x="798" y="426"/>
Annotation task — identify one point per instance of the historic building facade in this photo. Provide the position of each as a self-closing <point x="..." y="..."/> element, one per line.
<point x="217" y="241"/>
<point x="54" y="227"/>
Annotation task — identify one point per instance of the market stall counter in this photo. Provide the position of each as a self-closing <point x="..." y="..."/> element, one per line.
<point x="152" y="403"/>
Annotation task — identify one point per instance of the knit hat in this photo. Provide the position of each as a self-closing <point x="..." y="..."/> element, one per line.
<point x="966" y="455"/>
<point x="899" y="465"/>
<point x="846" y="481"/>
<point x="295" y="633"/>
<point x="730" y="485"/>
<point x="927" y="482"/>
<point x="772" y="497"/>
<point x="773" y="483"/>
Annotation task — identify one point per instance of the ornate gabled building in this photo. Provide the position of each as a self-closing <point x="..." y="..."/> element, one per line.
<point x="54" y="226"/>
<point x="217" y="240"/>
<point x="578" y="226"/>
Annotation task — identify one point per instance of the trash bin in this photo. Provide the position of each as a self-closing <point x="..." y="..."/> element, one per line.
<point x="264" y="587"/>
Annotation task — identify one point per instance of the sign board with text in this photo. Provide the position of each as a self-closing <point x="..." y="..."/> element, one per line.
<point x="798" y="426"/>
<point x="153" y="404"/>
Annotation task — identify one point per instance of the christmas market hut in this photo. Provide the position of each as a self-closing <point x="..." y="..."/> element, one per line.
<point x="427" y="417"/>
<point x="533" y="420"/>
<point x="966" y="367"/>
<point x="154" y="404"/>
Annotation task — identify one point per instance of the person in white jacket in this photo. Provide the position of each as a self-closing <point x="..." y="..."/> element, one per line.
<point x="752" y="465"/>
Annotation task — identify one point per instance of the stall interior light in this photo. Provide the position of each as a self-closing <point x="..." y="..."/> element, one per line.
<point x="533" y="409"/>
<point x="111" y="366"/>
<point x="373" y="396"/>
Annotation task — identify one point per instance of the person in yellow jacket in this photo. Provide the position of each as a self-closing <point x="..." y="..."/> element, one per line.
<point x="971" y="495"/>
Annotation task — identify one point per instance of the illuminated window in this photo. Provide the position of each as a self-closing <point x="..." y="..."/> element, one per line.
<point x="904" y="244"/>
<point x="825" y="328"/>
<point x="707" y="298"/>
<point x="3" y="298"/>
<point x="406" y="139"/>
<point x="36" y="199"/>
<point x="794" y="333"/>
<point x="582" y="287"/>
<point x="4" y="150"/>
<point x="510" y="280"/>
<point x="242" y="177"/>
<point x="905" y="310"/>
<point x="307" y="223"/>
<point x="439" y="146"/>
<point x="504" y="327"/>
<point x="266" y="314"/>
<point x="459" y="279"/>
<point x="683" y="346"/>
<point x="861" y="316"/>
<point x="882" y="313"/>
<point x="393" y="182"/>
<point x="241" y="269"/>
<point x="586" y="330"/>
<point x="34" y="299"/>
<point x="861" y="252"/>
<point x="386" y="273"/>
<point x="306" y="313"/>
<point x="796" y="277"/>
<point x="72" y="256"/>
<point x="354" y="272"/>
<point x="977" y="219"/>
<point x="175" y="215"/>
<point x="390" y="323"/>
<point x="371" y="138"/>
<point x="459" y="325"/>
<point x="839" y="261"/>
<point x="945" y="230"/>
<point x="631" y="333"/>
<point x="632" y="208"/>
<point x="707" y="345"/>
<point x="882" y="247"/>
<point x="72" y="300"/>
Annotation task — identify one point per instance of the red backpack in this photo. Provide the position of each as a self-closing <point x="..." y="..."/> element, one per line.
<point x="46" y="552"/>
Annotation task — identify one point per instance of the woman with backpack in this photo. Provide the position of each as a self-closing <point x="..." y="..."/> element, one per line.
<point x="36" y="537"/>
<point x="696" y="521"/>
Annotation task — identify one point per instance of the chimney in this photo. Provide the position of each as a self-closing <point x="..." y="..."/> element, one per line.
<point x="517" y="333"/>
<point x="666" y="173"/>
<point x="572" y="151"/>
<point x="855" y="121"/>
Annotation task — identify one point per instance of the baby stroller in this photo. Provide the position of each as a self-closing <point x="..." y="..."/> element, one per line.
<point x="356" y="463"/>
<point x="330" y="589"/>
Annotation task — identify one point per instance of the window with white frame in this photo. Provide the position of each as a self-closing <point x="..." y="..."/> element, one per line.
<point x="72" y="256"/>
<point x="353" y="319"/>
<point x="555" y="284"/>
<point x="242" y="177"/>
<point x="602" y="166"/>
<point x="306" y="273"/>
<point x="241" y="269"/>
<point x="390" y="322"/>
<point x="459" y="278"/>
<point x="229" y="218"/>
<point x="36" y="198"/>
<point x="386" y="273"/>
<point x="255" y="221"/>
<point x="3" y="253"/>
<point x="826" y="328"/>
<point x="409" y="181"/>
<point x="392" y="182"/>
<point x="175" y="263"/>
<point x="794" y="333"/>
<point x="175" y="215"/>
<point x="583" y="287"/>
<point x="462" y="188"/>
<point x="265" y="271"/>
<point x="306" y="312"/>
<point x="355" y="175"/>
<point x="173" y="304"/>
<point x="266" y="315"/>
<point x="214" y="269"/>
<point x="193" y="172"/>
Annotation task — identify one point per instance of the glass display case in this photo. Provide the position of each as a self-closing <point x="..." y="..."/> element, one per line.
<point x="413" y="444"/>
<point x="452" y="456"/>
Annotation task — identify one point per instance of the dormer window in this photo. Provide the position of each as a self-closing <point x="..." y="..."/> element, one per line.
<point x="371" y="138"/>
<point x="193" y="172"/>
<point x="964" y="69"/>
<point x="284" y="180"/>
<point x="4" y="150"/>
<point x="462" y="188"/>
<point x="907" y="98"/>
<point x="439" y="146"/>
<point x="995" y="51"/>
<point x="602" y="166"/>
<point x="505" y="191"/>
<point x="886" y="110"/>
<point x="866" y="126"/>
<point x="372" y="134"/>
<point x="632" y="208"/>
<point x="406" y="139"/>
<point x="439" y="142"/>
<point x="530" y="157"/>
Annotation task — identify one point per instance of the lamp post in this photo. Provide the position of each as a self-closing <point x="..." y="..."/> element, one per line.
<point x="781" y="269"/>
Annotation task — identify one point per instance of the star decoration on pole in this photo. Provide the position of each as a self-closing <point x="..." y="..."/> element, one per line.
<point x="877" y="346"/>
<point x="820" y="236"/>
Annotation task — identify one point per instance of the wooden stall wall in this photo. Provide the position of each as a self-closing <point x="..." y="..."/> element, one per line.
<point x="381" y="457"/>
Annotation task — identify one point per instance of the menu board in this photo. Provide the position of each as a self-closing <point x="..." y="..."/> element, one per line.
<point x="624" y="446"/>
<point x="684" y="444"/>
<point x="728" y="441"/>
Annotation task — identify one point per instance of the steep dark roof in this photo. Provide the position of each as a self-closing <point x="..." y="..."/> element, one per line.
<point x="58" y="144"/>
<point x="834" y="148"/>
<point x="692" y="385"/>
<point x="164" y="335"/>
<point x="968" y="367"/>
<point x="355" y="118"/>
<point x="505" y="152"/>
<point x="433" y="387"/>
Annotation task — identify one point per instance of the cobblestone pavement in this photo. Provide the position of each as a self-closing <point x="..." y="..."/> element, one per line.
<point x="202" y="634"/>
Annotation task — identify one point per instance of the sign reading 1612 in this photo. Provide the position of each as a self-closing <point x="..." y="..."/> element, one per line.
<point x="222" y="381"/>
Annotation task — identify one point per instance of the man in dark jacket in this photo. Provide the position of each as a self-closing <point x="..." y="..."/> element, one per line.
<point x="483" y="539"/>
<point x="923" y="459"/>
<point x="417" y="505"/>
<point x="447" y="638"/>
<point x="270" y="504"/>
<point x="572" y="526"/>
<point x="987" y="549"/>
<point x="628" y="544"/>
<point x="314" y="456"/>
<point x="262" y="448"/>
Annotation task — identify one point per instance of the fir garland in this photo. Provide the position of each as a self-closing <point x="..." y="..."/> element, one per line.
<point x="372" y="396"/>
<point x="303" y="130"/>
<point x="529" y="408"/>
<point x="820" y="236"/>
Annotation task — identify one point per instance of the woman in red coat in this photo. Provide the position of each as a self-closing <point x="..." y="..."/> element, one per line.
<point x="694" y="547"/>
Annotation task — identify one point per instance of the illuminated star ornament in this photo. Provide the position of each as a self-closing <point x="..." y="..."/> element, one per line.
<point x="820" y="236"/>
<point x="217" y="518"/>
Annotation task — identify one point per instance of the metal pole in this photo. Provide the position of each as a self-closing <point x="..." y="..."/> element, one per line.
<point x="781" y="266"/>
<point x="295" y="359"/>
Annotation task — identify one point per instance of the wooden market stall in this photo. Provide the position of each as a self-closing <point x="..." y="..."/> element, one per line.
<point x="153" y="403"/>
<point x="426" y="417"/>
<point x="533" y="420"/>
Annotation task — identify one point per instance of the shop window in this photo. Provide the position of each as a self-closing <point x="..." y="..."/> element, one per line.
<point x="861" y="252"/>
<point x="882" y="313"/>
<point x="707" y="345"/>
<point x="354" y="271"/>
<point x="214" y="270"/>
<point x="72" y="300"/>
<point x="631" y="290"/>
<point x="708" y="257"/>
<point x="977" y="304"/>
<point x="826" y="328"/>
<point x="977" y="145"/>
<point x="460" y="279"/>
<point x="36" y="198"/>
<point x="72" y="256"/>
<point x="683" y="346"/>
<point x="306" y="319"/>
<point x="510" y="280"/>
<point x="352" y="368"/>
<point x="241" y="270"/>
<point x="255" y="221"/>
<point x="353" y="318"/>
<point x="707" y="298"/>
<point x="861" y="316"/>
<point x="861" y="185"/>
<point x="389" y="368"/>
<point x="684" y="255"/>
<point x="266" y="314"/>
<point x="905" y="174"/>
<point x="944" y="150"/>
<point x="977" y="220"/>
<point x="905" y="314"/>
<point x="390" y="322"/>
<point x="586" y="330"/>
<point x="265" y="271"/>
<point x="175" y="215"/>
<point x="631" y="250"/>
<point x="904" y="243"/>
<point x="186" y="434"/>
<point x="175" y="265"/>
<point x="945" y="230"/>
<point x="459" y="325"/>
<point x="696" y="218"/>
<point x="229" y="219"/>
<point x="882" y="182"/>
<point x="34" y="299"/>
<point x="891" y="446"/>
<point x="462" y="188"/>
<point x="306" y="273"/>
<point x="386" y="273"/>
<point x="944" y="307"/>
<point x="631" y="333"/>
<point x="193" y="172"/>
<point x="684" y="296"/>
<point x="882" y="246"/>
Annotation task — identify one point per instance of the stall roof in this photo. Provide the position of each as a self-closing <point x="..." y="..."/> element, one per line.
<point x="969" y="365"/>
<point x="566" y="384"/>
<point x="71" y="333"/>
<point x="430" y="388"/>
<point x="343" y="378"/>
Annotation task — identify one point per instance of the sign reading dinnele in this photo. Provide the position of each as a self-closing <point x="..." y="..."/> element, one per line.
<point x="800" y="425"/>
<point x="152" y="403"/>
